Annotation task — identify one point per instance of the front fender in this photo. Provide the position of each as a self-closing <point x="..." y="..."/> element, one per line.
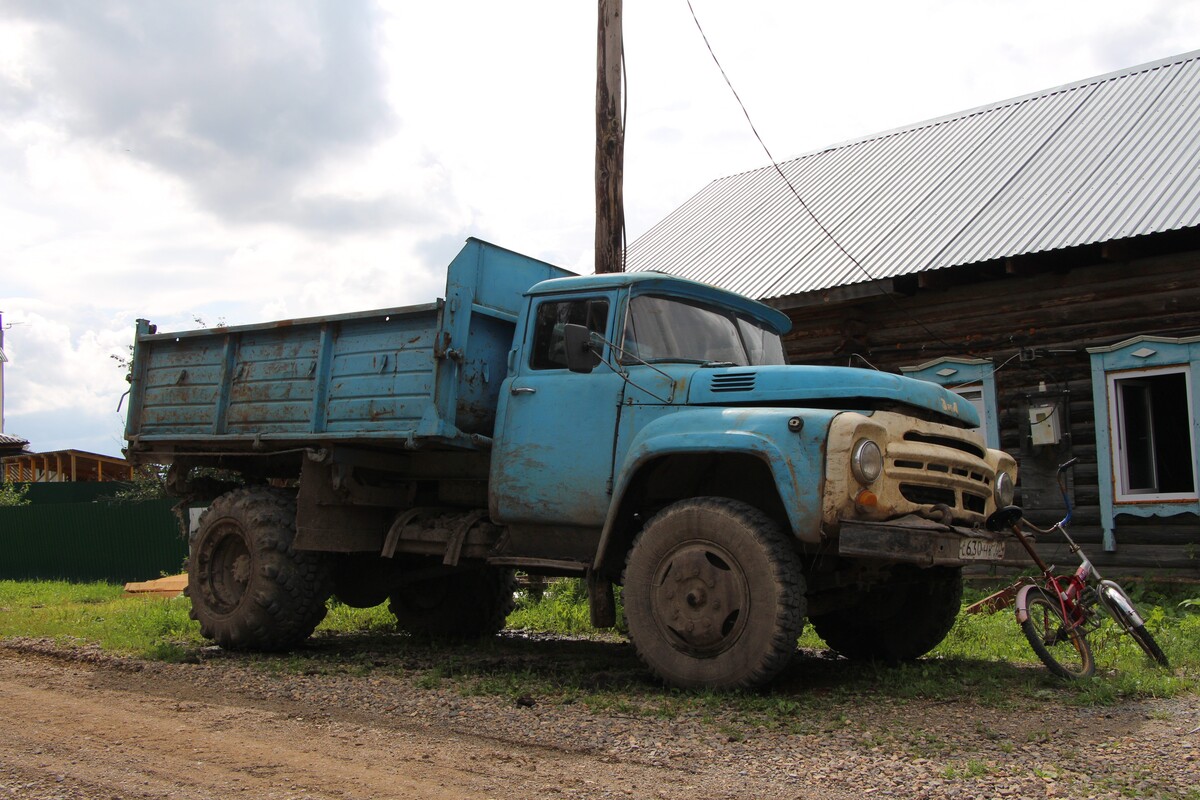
<point x="1119" y="606"/>
<point x="796" y="458"/>
<point x="1021" y="606"/>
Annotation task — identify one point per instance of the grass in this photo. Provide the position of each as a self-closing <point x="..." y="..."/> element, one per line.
<point x="560" y="608"/>
<point x="984" y="658"/>
<point x="972" y="768"/>
<point x="98" y="613"/>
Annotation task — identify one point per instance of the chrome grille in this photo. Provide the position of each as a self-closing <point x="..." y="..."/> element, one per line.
<point x="940" y="470"/>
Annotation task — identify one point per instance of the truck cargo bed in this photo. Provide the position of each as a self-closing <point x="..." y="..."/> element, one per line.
<point x="412" y="376"/>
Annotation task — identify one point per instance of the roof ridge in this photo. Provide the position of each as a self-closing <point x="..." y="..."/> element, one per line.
<point x="971" y="112"/>
<point x="1102" y="158"/>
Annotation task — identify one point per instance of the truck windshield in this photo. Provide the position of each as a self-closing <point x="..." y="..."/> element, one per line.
<point x="671" y="329"/>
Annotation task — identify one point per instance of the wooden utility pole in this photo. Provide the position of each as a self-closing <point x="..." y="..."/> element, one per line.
<point x="3" y="358"/>
<point x="610" y="141"/>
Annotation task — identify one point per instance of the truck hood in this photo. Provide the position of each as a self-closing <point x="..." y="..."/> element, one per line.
<point x="829" y="387"/>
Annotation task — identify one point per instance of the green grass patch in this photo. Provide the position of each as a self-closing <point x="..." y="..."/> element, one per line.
<point x="155" y="628"/>
<point x="344" y="619"/>
<point x="38" y="594"/>
<point x="552" y="653"/>
<point x="560" y="608"/>
<point x="98" y="613"/>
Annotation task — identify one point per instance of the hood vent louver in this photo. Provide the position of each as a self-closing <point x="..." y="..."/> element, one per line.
<point x="733" y="382"/>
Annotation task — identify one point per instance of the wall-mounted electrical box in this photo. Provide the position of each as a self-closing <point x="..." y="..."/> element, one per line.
<point x="1044" y="425"/>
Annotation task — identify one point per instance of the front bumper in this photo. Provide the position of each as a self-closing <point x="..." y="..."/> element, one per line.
<point x="915" y="540"/>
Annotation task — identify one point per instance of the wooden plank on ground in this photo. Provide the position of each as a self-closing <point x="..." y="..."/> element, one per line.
<point x="171" y="586"/>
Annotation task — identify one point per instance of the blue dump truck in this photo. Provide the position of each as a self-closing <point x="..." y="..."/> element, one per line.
<point x="631" y="429"/>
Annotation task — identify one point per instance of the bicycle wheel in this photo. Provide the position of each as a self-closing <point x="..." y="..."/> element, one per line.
<point x="1148" y="645"/>
<point x="1063" y="649"/>
<point x="1122" y="610"/>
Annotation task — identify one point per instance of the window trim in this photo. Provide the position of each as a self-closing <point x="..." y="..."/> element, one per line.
<point x="535" y="310"/>
<point x="1120" y="471"/>
<point x="733" y="315"/>
<point x="1140" y="355"/>
<point x="951" y="372"/>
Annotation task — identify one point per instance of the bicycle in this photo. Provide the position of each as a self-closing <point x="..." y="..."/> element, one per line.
<point x="1058" y="612"/>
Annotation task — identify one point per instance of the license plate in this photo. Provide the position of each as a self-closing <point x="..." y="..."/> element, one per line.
<point x="980" y="550"/>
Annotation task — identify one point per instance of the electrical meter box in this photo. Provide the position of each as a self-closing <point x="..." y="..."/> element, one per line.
<point x="1044" y="425"/>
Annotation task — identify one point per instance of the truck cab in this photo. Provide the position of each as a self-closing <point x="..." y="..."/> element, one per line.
<point x="630" y="395"/>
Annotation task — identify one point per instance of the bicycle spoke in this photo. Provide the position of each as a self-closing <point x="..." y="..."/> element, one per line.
<point x="1060" y="646"/>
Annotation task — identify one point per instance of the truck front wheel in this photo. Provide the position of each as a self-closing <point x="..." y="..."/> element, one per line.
<point x="899" y="619"/>
<point x="714" y="595"/>
<point x="250" y="589"/>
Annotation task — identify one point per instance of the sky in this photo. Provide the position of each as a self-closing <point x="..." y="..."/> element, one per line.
<point x="207" y="162"/>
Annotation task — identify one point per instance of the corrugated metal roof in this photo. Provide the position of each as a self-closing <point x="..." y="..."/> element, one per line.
<point x="1104" y="158"/>
<point x="8" y="441"/>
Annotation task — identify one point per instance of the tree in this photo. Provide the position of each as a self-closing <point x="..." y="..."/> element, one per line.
<point x="13" y="495"/>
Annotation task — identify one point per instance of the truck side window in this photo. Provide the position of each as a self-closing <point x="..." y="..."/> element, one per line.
<point x="549" y="347"/>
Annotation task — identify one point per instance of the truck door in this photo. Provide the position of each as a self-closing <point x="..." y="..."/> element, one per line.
<point x="554" y="448"/>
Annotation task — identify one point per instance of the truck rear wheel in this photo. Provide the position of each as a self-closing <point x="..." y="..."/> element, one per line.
<point x="363" y="580"/>
<point x="250" y="589"/>
<point x="900" y="619"/>
<point x="466" y="604"/>
<point x="714" y="595"/>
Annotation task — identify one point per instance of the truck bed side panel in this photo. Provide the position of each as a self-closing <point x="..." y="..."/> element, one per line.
<point x="366" y="374"/>
<point x="372" y="389"/>
<point x="409" y="375"/>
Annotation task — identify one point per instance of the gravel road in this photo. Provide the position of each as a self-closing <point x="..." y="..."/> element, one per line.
<point x="81" y="724"/>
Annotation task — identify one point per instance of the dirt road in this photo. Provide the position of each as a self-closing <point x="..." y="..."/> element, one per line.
<point x="78" y="724"/>
<point x="120" y="729"/>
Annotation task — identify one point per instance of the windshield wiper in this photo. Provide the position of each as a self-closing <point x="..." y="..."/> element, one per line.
<point x="672" y="360"/>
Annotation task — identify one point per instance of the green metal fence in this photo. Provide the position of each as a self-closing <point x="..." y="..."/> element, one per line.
<point x="89" y="541"/>
<point x="72" y="492"/>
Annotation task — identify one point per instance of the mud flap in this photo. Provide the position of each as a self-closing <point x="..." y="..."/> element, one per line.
<point x="602" y="604"/>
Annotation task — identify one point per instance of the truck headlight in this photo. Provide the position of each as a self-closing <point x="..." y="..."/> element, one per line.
<point x="1005" y="490"/>
<point x="866" y="462"/>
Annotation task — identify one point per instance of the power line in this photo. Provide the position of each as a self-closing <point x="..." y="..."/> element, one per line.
<point x="796" y="193"/>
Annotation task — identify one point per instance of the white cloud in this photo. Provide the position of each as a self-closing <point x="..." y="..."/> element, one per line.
<point x="63" y="380"/>
<point x="168" y="160"/>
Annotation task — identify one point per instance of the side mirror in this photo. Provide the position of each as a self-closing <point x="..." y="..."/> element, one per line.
<point x="581" y="356"/>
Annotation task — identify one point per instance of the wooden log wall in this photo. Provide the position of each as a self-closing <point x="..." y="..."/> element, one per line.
<point x="1034" y="319"/>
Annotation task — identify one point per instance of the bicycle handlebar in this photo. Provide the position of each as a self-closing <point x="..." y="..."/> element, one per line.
<point x="1013" y="519"/>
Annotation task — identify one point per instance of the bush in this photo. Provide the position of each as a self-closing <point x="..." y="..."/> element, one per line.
<point x="13" y="495"/>
<point x="562" y="608"/>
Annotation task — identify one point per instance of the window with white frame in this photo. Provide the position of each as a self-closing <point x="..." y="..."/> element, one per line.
<point x="1151" y="434"/>
<point x="1147" y="428"/>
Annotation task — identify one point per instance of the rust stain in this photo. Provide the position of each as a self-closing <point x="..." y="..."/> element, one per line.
<point x="376" y="413"/>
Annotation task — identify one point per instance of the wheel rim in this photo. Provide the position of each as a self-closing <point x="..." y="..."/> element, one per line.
<point x="226" y="568"/>
<point x="1063" y="644"/>
<point x="700" y="598"/>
